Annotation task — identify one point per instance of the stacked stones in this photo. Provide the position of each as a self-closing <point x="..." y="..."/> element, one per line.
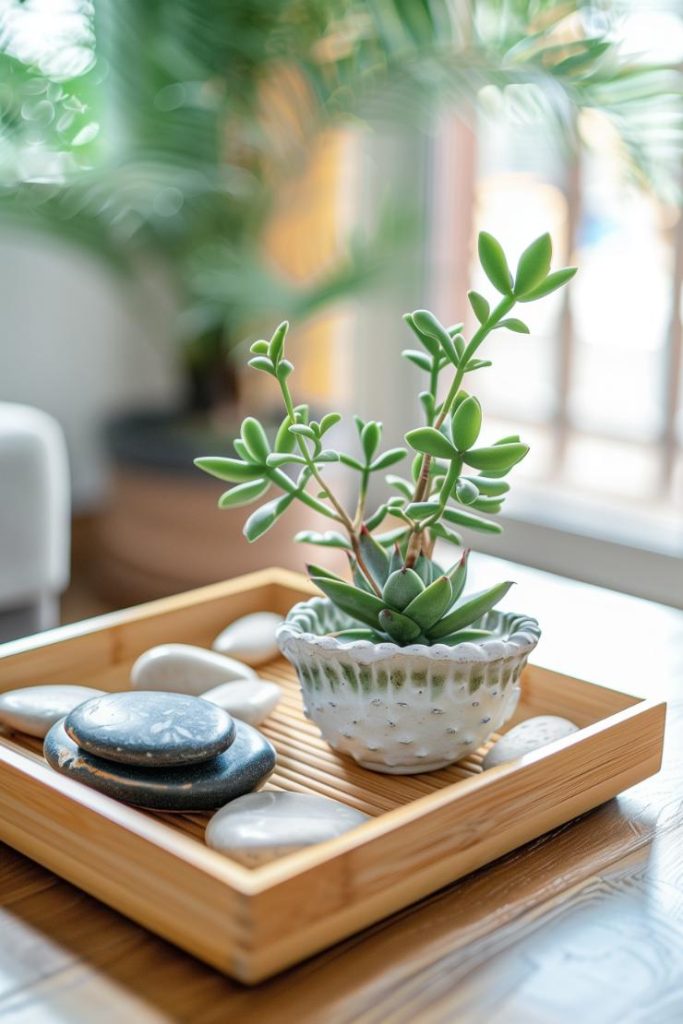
<point x="183" y="739"/>
<point x="161" y="751"/>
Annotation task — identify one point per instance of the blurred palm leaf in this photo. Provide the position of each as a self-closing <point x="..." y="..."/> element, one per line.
<point x="176" y="138"/>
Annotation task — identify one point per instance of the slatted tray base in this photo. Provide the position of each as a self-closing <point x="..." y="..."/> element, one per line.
<point x="427" y="830"/>
<point x="306" y="764"/>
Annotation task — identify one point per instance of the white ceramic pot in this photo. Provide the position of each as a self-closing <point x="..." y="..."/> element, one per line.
<point x="410" y="709"/>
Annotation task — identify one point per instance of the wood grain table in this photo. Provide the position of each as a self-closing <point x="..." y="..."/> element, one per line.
<point x="584" y="925"/>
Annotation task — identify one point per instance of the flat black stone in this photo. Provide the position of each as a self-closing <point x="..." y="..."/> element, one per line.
<point x="246" y="763"/>
<point x="150" y="729"/>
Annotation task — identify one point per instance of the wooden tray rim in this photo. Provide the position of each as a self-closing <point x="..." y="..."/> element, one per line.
<point x="275" y="577"/>
<point x="252" y="923"/>
<point x="253" y="881"/>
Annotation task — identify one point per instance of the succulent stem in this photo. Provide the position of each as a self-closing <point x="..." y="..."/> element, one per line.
<point x="422" y="486"/>
<point x="340" y="512"/>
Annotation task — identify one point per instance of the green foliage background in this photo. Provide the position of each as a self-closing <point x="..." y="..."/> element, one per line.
<point x="160" y="143"/>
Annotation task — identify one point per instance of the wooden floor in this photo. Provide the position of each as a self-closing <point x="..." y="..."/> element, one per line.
<point x="583" y="926"/>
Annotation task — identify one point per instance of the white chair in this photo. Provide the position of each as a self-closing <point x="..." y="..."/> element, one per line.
<point x="34" y="520"/>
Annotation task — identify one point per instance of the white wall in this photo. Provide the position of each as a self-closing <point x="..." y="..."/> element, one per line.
<point x="80" y="343"/>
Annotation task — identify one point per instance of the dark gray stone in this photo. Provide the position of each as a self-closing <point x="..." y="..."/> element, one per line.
<point x="150" y="729"/>
<point x="246" y="763"/>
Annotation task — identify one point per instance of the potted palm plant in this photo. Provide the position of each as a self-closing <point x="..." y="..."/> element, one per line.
<point x="399" y="666"/>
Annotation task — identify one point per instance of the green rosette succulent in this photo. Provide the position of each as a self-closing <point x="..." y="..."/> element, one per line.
<point x="396" y="590"/>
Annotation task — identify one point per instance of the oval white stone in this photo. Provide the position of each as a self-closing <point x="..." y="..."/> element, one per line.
<point x="250" y="700"/>
<point x="183" y="668"/>
<point x="35" y="709"/>
<point x="528" y="736"/>
<point x="250" y="639"/>
<point x="258" y="827"/>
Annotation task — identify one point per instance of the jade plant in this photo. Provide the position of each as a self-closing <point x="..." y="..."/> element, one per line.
<point x="397" y="591"/>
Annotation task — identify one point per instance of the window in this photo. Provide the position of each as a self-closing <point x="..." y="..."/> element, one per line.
<point x="598" y="383"/>
<point x="598" y="379"/>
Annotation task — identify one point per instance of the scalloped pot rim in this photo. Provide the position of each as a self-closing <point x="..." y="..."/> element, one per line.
<point x="293" y="634"/>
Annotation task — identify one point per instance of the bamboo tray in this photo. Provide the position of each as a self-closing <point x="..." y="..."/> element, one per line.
<point x="427" y="830"/>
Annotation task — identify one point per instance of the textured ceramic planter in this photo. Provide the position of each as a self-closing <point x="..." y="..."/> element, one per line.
<point x="405" y="709"/>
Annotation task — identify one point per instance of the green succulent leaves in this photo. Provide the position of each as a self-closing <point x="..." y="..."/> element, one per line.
<point x="479" y="306"/>
<point x="409" y="611"/>
<point x="328" y="539"/>
<point x="398" y="627"/>
<point x="370" y="437"/>
<point x="430" y="442"/>
<point x="244" y="494"/>
<point x="550" y="284"/>
<point x="398" y="592"/>
<point x="254" y="437"/>
<point x="491" y="487"/>
<point x="402" y="587"/>
<point x="461" y="518"/>
<point x="513" y="324"/>
<point x="269" y="356"/>
<point x="428" y="325"/>
<point x="410" y="606"/>
<point x="260" y="521"/>
<point x="534" y="265"/>
<point x="374" y="557"/>
<point x="494" y="263"/>
<point x="466" y="424"/>
<point x="357" y="603"/>
<point x="466" y="491"/>
<point x="427" y="607"/>
<point x="469" y="611"/>
<point x="532" y="279"/>
<point x="231" y="470"/>
<point x="501" y="457"/>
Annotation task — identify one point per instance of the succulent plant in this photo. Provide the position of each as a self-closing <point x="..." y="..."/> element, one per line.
<point x="397" y="591"/>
